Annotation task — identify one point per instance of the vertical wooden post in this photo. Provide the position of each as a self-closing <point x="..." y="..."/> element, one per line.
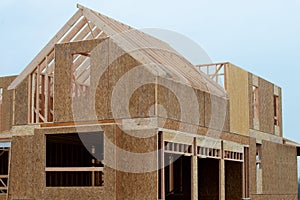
<point x="194" y="172"/>
<point x="38" y="95"/>
<point x="33" y="91"/>
<point x="222" y="174"/>
<point x="46" y="91"/>
<point x="29" y="98"/>
<point x="162" y="165"/>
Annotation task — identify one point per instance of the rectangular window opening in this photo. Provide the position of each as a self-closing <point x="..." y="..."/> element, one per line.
<point x="81" y="73"/>
<point x="258" y="156"/>
<point x="74" y="160"/>
<point x="4" y="166"/>
<point x="276" y="110"/>
<point x="255" y="102"/>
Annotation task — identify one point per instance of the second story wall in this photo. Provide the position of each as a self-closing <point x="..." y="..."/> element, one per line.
<point x="236" y="84"/>
<point x="265" y="106"/>
<point x="6" y="103"/>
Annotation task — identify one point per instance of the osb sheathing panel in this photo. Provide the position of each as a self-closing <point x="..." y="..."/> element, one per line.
<point x="180" y="102"/>
<point x="217" y="113"/>
<point x="21" y="103"/>
<point x="189" y="109"/>
<point x="108" y="191"/>
<point x="27" y="175"/>
<point x="118" y="79"/>
<point x="252" y="166"/>
<point x="142" y="101"/>
<point x="7" y="103"/>
<point x="63" y="103"/>
<point x="279" y="168"/>
<point x="3" y="196"/>
<point x="142" y="157"/>
<point x="237" y="88"/>
<point x="22" y="173"/>
<point x="266" y="108"/>
<point x="274" y="197"/>
<point x="250" y="99"/>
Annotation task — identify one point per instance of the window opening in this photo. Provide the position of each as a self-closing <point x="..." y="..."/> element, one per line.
<point x="71" y="161"/>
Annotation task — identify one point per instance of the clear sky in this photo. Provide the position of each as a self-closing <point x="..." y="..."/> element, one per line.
<point x="262" y="37"/>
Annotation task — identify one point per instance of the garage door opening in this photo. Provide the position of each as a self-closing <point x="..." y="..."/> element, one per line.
<point x="177" y="177"/>
<point x="208" y="179"/>
<point x="233" y="180"/>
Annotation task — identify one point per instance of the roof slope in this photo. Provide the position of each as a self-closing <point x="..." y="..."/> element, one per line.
<point x="154" y="53"/>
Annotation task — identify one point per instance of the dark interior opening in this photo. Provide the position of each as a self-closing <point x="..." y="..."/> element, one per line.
<point x="4" y="162"/>
<point x="233" y="180"/>
<point x="177" y="177"/>
<point x="208" y="179"/>
<point x="74" y="150"/>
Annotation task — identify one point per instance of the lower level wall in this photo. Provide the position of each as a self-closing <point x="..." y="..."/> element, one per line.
<point x="3" y="197"/>
<point x="274" y="197"/>
<point x="28" y="161"/>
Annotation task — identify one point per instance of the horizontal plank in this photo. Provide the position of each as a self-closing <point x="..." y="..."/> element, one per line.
<point x="230" y="159"/>
<point x="73" y="169"/>
<point x="3" y="176"/>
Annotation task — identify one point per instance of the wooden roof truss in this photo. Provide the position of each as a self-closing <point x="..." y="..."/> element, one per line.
<point x="41" y="78"/>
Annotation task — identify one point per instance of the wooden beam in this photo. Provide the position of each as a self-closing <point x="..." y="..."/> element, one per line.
<point x="108" y="25"/>
<point x="74" y="169"/>
<point x="45" y="51"/>
<point x="74" y="31"/>
<point x="33" y="85"/>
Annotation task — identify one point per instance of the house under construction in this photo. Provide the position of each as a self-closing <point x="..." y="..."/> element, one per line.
<point x="105" y="111"/>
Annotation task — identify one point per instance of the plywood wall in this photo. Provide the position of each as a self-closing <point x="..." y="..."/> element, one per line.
<point x="238" y="90"/>
<point x="252" y="166"/>
<point x="138" y="182"/>
<point x="21" y="103"/>
<point x="21" y="175"/>
<point x="63" y="103"/>
<point x="7" y="103"/>
<point x="266" y="106"/>
<point x="279" y="169"/>
<point x="27" y="172"/>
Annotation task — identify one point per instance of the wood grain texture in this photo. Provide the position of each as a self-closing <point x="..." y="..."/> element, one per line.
<point x="7" y="103"/>
<point x="27" y="178"/>
<point x="279" y="169"/>
<point x="22" y="168"/>
<point x="63" y="101"/>
<point x="250" y="100"/>
<point x="238" y="90"/>
<point x="252" y="166"/>
<point x="274" y="197"/>
<point x="266" y="106"/>
<point x="21" y="103"/>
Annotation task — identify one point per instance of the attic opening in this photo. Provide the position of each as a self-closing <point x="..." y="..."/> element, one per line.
<point x="4" y="166"/>
<point x="74" y="159"/>
<point x="80" y="82"/>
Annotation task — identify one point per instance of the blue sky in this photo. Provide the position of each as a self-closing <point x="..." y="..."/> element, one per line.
<point x="262" y="37"/>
